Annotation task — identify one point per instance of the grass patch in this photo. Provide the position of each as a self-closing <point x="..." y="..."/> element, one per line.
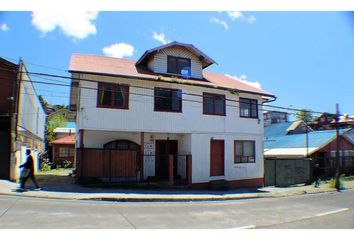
<point x="350" y="178"/>
<point x="56" y="172"/>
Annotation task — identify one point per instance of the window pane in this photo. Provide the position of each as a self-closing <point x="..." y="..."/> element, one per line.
<point x="208" y="104"/>
<point x="244" y="107"/>
<point x="254" y="107"/>
<point x="168" y="99"/>
<point x="248" y="149"/>
<point x="176" y="100"/>
<point x="171" y="65"/>
<point x="238" y="151"/>
<point x="219" y="105"/>
<point x="181" y="63"/>
<point x="105" y="95"/>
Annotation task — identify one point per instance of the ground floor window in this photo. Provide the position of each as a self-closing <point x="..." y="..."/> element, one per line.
<point x="244" y="151"/>
<point x="66" y="152"/>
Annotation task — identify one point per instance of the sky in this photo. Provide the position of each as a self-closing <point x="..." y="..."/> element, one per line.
<point x="306" y="59"/>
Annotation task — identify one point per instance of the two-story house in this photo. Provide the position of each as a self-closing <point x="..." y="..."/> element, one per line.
<point x="164" y="117"/>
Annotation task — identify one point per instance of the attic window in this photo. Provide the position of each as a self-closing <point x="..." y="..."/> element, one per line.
<point x="176" y="64"/>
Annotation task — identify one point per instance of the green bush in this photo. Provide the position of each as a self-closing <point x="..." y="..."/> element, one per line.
<point x="45" y="167"/>
<point x="67" y="164"/>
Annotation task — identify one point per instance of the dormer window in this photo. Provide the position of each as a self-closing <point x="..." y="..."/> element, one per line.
<point x="176" y="65"/>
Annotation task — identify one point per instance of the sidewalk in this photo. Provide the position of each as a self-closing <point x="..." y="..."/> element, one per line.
<point x="77" y="192"/>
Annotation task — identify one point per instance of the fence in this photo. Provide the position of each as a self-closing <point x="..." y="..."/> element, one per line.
<point x="126" y="166"/>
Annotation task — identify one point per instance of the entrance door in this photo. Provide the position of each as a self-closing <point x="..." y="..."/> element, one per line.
<point x="216" y="157"/>
<point x="163" y="149"/>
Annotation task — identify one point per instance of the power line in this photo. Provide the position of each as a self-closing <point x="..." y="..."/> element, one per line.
<point x="141" y="87"/>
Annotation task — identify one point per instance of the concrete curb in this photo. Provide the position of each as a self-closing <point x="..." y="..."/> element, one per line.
<point x="166" y="198"/>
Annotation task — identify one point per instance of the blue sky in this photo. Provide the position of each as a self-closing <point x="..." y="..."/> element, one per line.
<point x="305" y="58"/>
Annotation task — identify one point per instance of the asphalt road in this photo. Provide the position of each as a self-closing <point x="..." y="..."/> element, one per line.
<point x="315" y="211"/>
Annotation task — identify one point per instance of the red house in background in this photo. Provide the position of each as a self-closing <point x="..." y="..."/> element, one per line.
<point x="64" y="149"/>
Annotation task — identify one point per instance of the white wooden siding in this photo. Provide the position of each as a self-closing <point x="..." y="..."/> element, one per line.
<point x="141" y="115"/>
<point x="159" y="64"/>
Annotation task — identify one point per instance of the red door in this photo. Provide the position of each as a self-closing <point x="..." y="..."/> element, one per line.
<point x="216" y="157"/>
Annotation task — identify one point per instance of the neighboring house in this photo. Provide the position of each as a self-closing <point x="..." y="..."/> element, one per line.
<point x="164" y="118"/>
<point x="65" y="113"/>
<point x="289" y="160"/>
<point x="271" y="117"/>
<point x="61" y="134"/>
<point x="22" y="119"/>
<point x="63" y="149"/>
<point x="327" y="121"/>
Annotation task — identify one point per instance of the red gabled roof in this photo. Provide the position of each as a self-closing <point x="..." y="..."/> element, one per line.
<point x="65" y="140"/>
<point x="126" y="68"/>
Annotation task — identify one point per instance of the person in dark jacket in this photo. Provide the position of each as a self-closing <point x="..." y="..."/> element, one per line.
<point x="28" y="165"/>
<point x="316" y="175"/>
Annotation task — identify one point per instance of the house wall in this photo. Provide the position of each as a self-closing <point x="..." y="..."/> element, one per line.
<point x="191" y="128"/>
<point x="141" y="104"/>
<point x="200" y="146"/>
<point x="31" y="116"/>
<point x="57" y="160"/>
<point x="158" y="63"/>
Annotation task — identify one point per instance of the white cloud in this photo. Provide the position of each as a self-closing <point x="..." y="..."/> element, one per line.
<point x="218" y="21"/>
<point x="74" y="24"/>
<point x="4" y="27"/>
<point x="119" y="50"/>
<point x="236" y="15"/>
<point x="242" y="78"/>
<point x="160" y="37"/>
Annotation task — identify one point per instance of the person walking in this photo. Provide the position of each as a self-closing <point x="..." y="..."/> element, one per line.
<point x="28" y="172"/>
<point x="316" y="175"/>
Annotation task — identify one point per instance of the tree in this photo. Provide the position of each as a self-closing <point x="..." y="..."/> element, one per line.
<point x="304" y="115"/>
<point x="44" y="103"/>
<point x="56" y="121"/>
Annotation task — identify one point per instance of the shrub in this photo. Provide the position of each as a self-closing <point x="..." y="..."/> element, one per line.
<point x="45" y="167"/>
<point x="67" y="164"/>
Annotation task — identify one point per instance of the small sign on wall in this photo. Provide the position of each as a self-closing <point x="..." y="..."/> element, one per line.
<point x="148" y="148"/>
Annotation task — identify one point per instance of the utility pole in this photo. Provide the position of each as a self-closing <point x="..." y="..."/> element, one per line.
<point x="338" y="148"/>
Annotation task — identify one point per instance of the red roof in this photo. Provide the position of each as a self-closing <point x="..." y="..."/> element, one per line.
<point x="65" y="140"/>
<point x="126" y="68"/>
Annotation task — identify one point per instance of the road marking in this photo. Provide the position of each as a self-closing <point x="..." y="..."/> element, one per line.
<point x="246" y="227"/>
<point x="332" y="212"/>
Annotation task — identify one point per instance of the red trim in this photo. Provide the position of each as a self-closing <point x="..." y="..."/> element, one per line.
<point x="142" y="155"/>
<point x="189" y="169"/>
<point x="170" y="170"/>
<point x="115" y="86"/>
<point x="254" y="182"/>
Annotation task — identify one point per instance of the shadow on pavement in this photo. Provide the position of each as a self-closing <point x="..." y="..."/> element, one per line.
<point x="66" y="184"/>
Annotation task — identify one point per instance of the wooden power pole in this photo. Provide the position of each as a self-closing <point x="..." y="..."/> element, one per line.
<point x="338" y="148"/>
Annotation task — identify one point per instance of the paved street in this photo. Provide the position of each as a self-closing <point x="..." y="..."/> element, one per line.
<point x="327" y="210"/>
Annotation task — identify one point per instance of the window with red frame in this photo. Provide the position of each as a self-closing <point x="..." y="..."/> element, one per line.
<point x="214" y="104"/>
<point x="113" y="96"/>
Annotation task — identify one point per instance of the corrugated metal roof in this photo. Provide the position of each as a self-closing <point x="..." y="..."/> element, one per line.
<point x="316" y="139"/>
<point x="277" y="129"/>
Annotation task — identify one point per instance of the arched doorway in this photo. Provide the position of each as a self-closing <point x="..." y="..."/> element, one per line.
<point x="122" y="157"/>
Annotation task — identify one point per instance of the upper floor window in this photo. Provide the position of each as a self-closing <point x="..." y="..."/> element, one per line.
<point x="248" y="108"/>
<point x="168" y="100"/>
<point x="113" y="96"/>
<point x="176" y="64"/>
<point x="244" y="152"/>
<point x="214" y="104"/>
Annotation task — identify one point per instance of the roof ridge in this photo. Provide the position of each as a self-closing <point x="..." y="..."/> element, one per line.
<point x="101" y="56"/>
